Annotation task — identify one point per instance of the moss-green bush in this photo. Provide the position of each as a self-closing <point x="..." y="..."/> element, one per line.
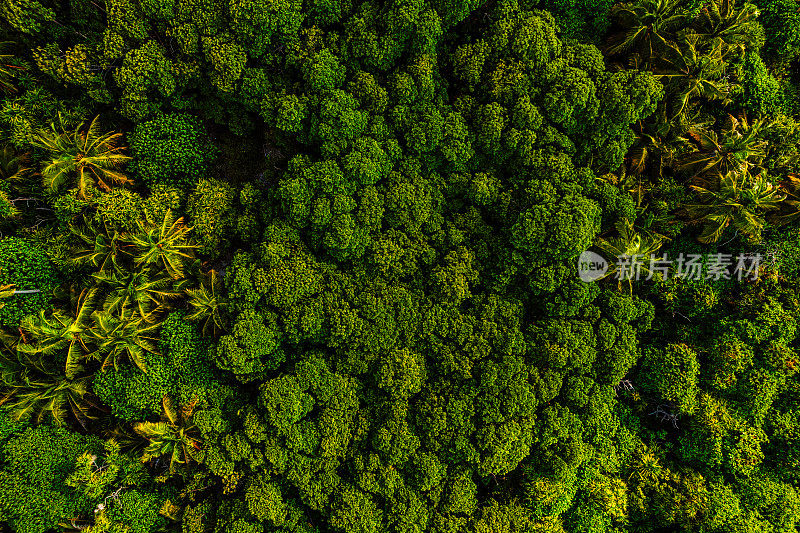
<point x="170" y="149"/>
<point x="211" y="208"/>
<point x="35" y="463"/>
<point x="28" y="268"/>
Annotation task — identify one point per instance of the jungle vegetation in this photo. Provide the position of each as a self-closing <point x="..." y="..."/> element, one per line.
<point x="312" y="266"/>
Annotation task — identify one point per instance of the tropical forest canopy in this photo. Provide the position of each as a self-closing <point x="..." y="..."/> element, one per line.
<point x="312" y="266"/>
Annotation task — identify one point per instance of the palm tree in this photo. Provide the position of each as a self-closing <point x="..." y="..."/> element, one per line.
<point x="13" y="170"/>
<point x="31" y="388"/>
<point x="121" y="336"/>
<point x="739" y="149"/>
<point x="100" y="247"/>
<point x="631" y="244"/>
<point x="734" y="199"/>
<point x="166" y="245"/>
<point x="658" y="143"/>
<point x="646" y="467"/>
<point x="6" y="291"/>
<point x="86" y="153"/>
<point x="693" y="72"/>
<point x="647" y="26"/>
<point x="649" y="151"/>
<point x="207" y="304"/>
<point x="721" y="23"/>
<point x="13" y="166"/>
<point x="135" y="290"/>
<point x="59" y="331"/>
<point x="174" y="436"/>
<point x="790" y="207"/>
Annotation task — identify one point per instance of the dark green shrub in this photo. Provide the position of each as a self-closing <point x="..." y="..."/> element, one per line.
<point x="121" y="207"/>
<point x="172" y="149"/>
<point x="762" y="93"/>
<point x="28" y="268"/>
<point x="671" y="376"/>
<point x="211" y="208"/>
<point x="137" y="511"/>
<point x="132" y="394"/>
<point x="35" y="463"/>
<point x="585" y="20"/>
<point x="781" y="21"/>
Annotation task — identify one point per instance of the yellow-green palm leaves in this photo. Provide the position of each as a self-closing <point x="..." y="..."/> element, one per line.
<point x="43" y="395"/>
<point x="790" y="208"/>
<point x="122" y="336"/>
<point x="47" y="334"/>
<point x="736" y="199"/>
<point x="13" y="170"/>
<point x="32" y="388"/>
<point x="721" y="23"/>
<point x="740" y="147"/>
<point x="630" y="243"/>
<point x="166" y="244"/>
<point x="135" y="291"/>
<point x="110" y="334"/>
<point x="6" y="291"/>
<point x="174" y="436"/>
<point x="99" y="246"/>
<point x="207" y="304"/>
<point x="647" y="26"/>
<point x="689" y="70"/>
<point x="13" y="166"/>
<point x="83" y="157"/>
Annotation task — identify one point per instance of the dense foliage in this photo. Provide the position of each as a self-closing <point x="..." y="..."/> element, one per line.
<point x="313" y="267"/>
